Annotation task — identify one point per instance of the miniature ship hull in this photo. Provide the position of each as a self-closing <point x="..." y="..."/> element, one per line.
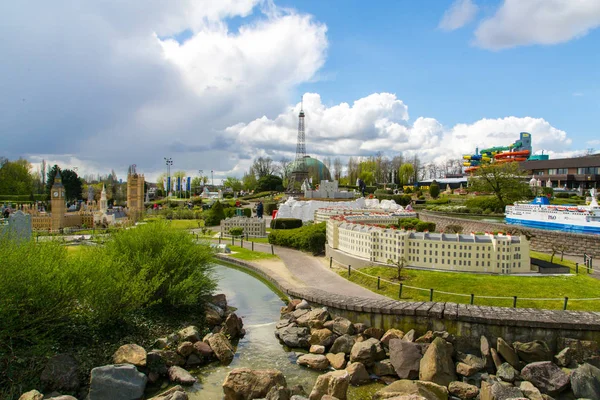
<point x="553" y="218"/>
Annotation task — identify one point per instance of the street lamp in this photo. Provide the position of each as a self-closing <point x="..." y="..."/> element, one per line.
<point x="169" y="162"/>
<point x="212" y="179"/>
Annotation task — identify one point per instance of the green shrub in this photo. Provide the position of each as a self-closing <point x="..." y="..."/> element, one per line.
<point x="286" y="223"/>
<point x="484" y="202"/>
<point x="423" y="226"/>
<point x="247" y="212"/>
<point x="269" y="207"/>
<point x="408" y="190"/>
<point x="416" y="224"/>
<point x="475" y="210"/>
<point x="383" y="191"/>
<point x="308" y="238"/>
<point x="215" y="215"/>
<point x="229" y="212"/>
<point x="562" y="195"/>
<point x="434" y="190"/>
<point x="197" y="201"/>
<point x="236" y="231"/>
<point x="441" y="200"/>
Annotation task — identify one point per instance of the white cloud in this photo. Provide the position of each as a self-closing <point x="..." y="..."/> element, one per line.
<point x="460" y="13"/>
<point x="577" y="94"/>
<point x="528" y="22"/>
<point x="594" y="142"/>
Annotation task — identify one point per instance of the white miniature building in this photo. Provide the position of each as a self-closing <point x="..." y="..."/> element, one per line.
<point x="253" y="227"/>
<point x="327" y="190"/>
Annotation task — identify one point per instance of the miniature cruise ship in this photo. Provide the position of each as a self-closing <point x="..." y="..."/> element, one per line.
<point x="540" y="214"/>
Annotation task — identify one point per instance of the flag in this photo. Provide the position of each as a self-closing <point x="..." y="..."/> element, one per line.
<point x="178" y="183"/>
<point x="165" y="184"/>
<point x="183" y="185"/>
<point x="169" y="183"/>
<point x="189" y="183"/>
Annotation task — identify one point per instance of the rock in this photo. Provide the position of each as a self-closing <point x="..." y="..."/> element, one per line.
<point x="314" y="361"/>
<point x="486" y="354"/>
<point x="582" y="350"/>
<point x="546" y="376"/>
<point x="463" y="390"/>
<point x="185" y="349"/>
<point x="61" y="397"/>
<point x="337" y="361"/>
<point x="303" y="305"/>
<point x="203" y="350"/>
<point x="383" y="367"/>
<point x="193" y="361"/>
<point x="317" y="349"/>
<point x="358" y="374"/>
<point x="220" y="300"/>
<point x="116" y="382"/>
<point x="155" y="363"/>
<point x="374" y="333"/>
<point x="585" y="382"/>
<point x="406" y="358"/>
<point x="171" y="358"/>
<point x="475" y="363"/>
<point x="329" y="325"/>
<point x="212" y="316"/>
<point x="343" y="344"/>
<point x="316" y="324"/>
<point x="507" y="352"/>
<point x="130" y="354"/>
<point x="448" y="337"/>
<point x="282" y="324"/>
<point x="426" y="338"/>
<point x="222" y="348"/>
<point x="160" y="343"/>
<point x="278" y="393"/>
<point x="32" y="395"/>
<point x="298" y="397"/>
<point x="437" y="365"/>
<point x="465" y="369"/>
<point x="174" y="393"/>
<point x="328" y="397"/>
<point x="530" y="391"/>
<point x="233" y="326"/>
<point x="563" y="358"/>
<point x="60" y="373"/>
<point x="297" y="390"/>
<point x="191" y="333"/>
<point x="323" y="337"/>
<point x="405" y="387"/>
<point x="359" y="328"/>
<point x="391" y="334"/>
<point x="366" y="352"/>
<point x="343" y="326"/>
<point x="298" y="313"/>
<point x="499" y="391"/>
<point x="245" y="383"/>
<point x="291" y="306"/>
<point x="320" y="314"/>
<point x="332" y="384"/>
<point x="180" y="375"/>
<point x="507" y="373"/>
<point x="295" y="336"/>
<point x="496" y="358"/>
<point x="533" y="351"/>
<point x="409" y="336"/>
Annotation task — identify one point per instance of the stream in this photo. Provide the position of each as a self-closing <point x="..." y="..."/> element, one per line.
<point x="259" y="308"/>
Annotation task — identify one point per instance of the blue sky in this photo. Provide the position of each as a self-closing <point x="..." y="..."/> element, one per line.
<point x="215" y="84"/>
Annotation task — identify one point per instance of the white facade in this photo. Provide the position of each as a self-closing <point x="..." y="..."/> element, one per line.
<point x="253" y="227"/>
<point x="328" y="190"/>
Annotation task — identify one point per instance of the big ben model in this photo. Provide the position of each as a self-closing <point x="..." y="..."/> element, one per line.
<point x="57" y="202"/>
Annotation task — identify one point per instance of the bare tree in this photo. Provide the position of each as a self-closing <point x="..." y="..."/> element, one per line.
<point x="263" y="166"/>
<point x="352" y="170"/>
<point x="284" y="162"/>
<point x="337" y="168"/>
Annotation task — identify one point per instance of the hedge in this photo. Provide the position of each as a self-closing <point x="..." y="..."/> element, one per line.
<point x="231" y="212"/>
<point x="286" y="223"/>
<point x="269" y="207"/>
<point x="308" y="238"/>
<point x="562" y="195"/>
<point x="416" y="224"/>
<point x="485" y="203"/>
<point x="401" y="199"/>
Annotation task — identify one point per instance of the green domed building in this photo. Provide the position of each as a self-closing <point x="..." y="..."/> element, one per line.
<point x="316" y="169"/>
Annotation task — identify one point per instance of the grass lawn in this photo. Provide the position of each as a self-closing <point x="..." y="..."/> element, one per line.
<point x="186" y="223"/>
<point x="249" y="255"/>
<point x="556" y="287"/>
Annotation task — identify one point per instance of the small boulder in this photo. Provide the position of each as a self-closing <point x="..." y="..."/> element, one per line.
<point x="343" y="344"/>
<point x="316" y="324"/>
<point x="507" y="352"/>
<point x="116" y="382"/>
<point x="278" y="393"/>
<point x="376" y="333"/>
<point x="130" y="354"/>
<point x="343" y="326"/>
<point x="212" y="316"/>
<point x="391" y="334"/>
<point x="582" y="350"/>
<point x="463" y="390"/>
<point x="359" y="328"/>
<point x="465" y="369"/>
<point x="426" y="338"/>
<point x="507" y="373"/>
<point x="303" y="305"/>
<point x="499" y="391"/>
<point x="180" y="375"/>
<point x="406" y="358"/>
<point x="546" y="376"/>
<point x="317" y="349"/>
<point x="323" y="337"/>
<point x="171" y="358"/>
<point x="409" y="336"/>
<point x="174" y="393"/>
<point x="32" y="395"/>
<point x="563" y="358"/>
<point x="203" y="350"/>
<point x="530" y="391"/>
<point x="155" y="363"/>
<point x="358" y="373"/>
<point x="233" y="327"/>
<point x="496" y="358"/>
<point x="190" y="333"/>
<point x="383" y="367"/>
<point x="437" y="365"/>
<point x="585" y="382"/>
<point x="337" y="361"/>
<point x="160" y="343"/>
<point x="245" y="383"/>
<point x="447" y="336"/>
<point x="294" y="336"/>
<point x="291" y="306"/>
<point x="365" y="352"/>
<point x="320" y="314"/>
<point x="60" y="373"/>
<point x="185" y="349"/>
<point x="314" y="361"/>
<point x="333" y="383"/>
<point x="222" y="348"/>
<point x="533" y="351"/>
<point x="193" y="361"/>
<point x="405" y="387"/>
<point x="486" y="354"/>
<point x="220" y="300"/>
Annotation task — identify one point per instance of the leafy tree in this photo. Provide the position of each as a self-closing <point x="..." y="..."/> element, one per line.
<point x="434" y="189"/>
<point x="249" y="181"/>
<point x="234" y="183"/>
<point x="15" y="177"/>
<point x="367" y="171"/>
<point x="72" y="183"/>
<point x="405" y="173"/>
<point x="269" y="182"/>
<point x="506" y="181"/>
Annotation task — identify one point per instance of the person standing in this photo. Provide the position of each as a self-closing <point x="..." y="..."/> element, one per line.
<point x="259" y="209"/>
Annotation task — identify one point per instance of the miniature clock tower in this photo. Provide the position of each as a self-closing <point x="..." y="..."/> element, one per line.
<point x="58" y="203"/>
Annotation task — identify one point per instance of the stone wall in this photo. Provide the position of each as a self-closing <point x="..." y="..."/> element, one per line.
<point x="467" y="322"/>
<point x="542" y="240"/>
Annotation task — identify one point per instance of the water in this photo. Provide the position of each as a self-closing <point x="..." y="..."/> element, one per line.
<point x="259" y="307"/>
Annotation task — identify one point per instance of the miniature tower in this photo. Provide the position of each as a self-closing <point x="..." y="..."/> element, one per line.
<point x="103" y="201"/>
<point x="300" y="171"/>
<point x="58" y="203"/>
<point x="135" y="193"/>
